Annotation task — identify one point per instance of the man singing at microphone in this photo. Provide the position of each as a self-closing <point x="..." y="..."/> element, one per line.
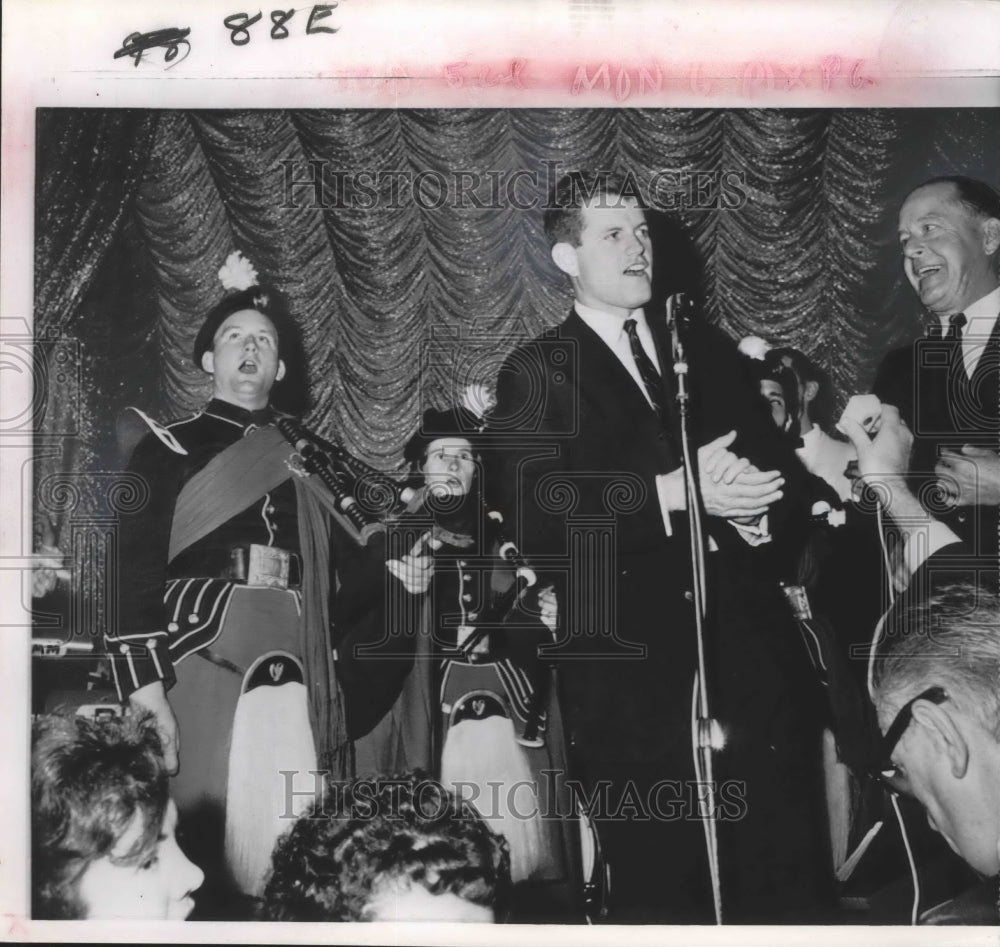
<point x="593" y="482"/>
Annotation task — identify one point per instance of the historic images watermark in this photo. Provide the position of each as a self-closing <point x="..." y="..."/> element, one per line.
<point x="548" y="795"/>
<point x="318" y="183"/>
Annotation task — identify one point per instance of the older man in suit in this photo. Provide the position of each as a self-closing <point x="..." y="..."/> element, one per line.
<point x="946" y="385"/>
<point x="933" y="674"/>
<point x="592" y="478"/>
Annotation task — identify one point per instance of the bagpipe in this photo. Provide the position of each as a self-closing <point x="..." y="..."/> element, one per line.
<point x="364" y="495"/>
<point x="499" y="731"/>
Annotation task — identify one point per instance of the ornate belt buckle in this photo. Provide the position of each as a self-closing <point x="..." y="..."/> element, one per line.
<point x="268" y="567"/>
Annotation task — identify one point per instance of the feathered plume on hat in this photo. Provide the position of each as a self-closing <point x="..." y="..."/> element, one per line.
<point x="753" y="346"/>
<point x="243" y="291"/>
<point x="237" y="273"/>
<point x="477" y="400"/>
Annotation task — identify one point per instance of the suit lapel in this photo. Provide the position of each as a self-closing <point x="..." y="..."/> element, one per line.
<point x="990" y="355"/>
<point x="602" y="381"/>
<point x="984" y="386"/>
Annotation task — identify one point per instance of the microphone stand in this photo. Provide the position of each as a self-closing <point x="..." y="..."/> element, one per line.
<point x="706" y="733"/>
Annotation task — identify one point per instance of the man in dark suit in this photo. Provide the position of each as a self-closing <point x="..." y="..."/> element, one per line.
<point x="945" y="385"/>
<point x="590" y="479"/>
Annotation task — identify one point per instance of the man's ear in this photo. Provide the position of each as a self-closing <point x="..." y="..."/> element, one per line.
<point x="208" y="362"/>
<point x="991" y="235"/>
<point x="280" y="373"/>
<point x="948" y="738"/>
<point x="564" y="256"/>
<point x="809" y="391"/>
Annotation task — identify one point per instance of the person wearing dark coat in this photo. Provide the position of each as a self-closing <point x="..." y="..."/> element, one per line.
<point x="933" y="670"/>
<point x="228" y="574"/>
<point x="946" y="385"/>
<point x="591" y="484"/>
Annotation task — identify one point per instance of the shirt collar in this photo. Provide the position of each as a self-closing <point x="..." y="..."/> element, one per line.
<point x="984" y="311"/>
<point x="982" y="315"/>
<point x="238" y="415"/>
<point x="813" y="436"/>
<point x="609" y="327"/>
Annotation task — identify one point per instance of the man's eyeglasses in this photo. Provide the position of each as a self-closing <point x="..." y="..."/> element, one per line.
<point x="887" y="772"/>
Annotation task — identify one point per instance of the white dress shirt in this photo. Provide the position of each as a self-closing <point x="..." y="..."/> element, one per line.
<point x="611" y="329"/>
<point x="980" y="319"/>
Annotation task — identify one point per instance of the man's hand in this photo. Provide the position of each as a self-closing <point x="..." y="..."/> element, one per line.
<point x="970" y="477"/>
<point x="886" y="453"/>
<point x="415" y="569"/>
<point x="731" y="487"/>
<point x="883" y="460"/>
<point x="153" y="698"/>
<point x="719" y="464"/>
<point x="746" y="499"/>
<point x="864" y="410"/>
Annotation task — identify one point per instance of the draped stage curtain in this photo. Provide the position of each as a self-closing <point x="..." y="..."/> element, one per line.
<point x="400" y="302"/>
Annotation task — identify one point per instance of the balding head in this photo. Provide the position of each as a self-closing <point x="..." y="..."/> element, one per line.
<point x="949" y="230"/>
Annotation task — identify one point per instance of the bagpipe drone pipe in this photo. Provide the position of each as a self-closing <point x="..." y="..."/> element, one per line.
<point x="500" y="727"/>
<point x="364" y="495"/>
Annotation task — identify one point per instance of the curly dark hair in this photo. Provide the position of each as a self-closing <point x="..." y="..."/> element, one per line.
<point x="379" y="833"/>
<point x="89" y="780"/>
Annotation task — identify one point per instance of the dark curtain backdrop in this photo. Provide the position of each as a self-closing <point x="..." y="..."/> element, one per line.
<point x="401" y="305"/>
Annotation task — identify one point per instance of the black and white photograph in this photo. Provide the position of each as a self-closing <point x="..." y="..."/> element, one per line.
<point x="569" y="516"/>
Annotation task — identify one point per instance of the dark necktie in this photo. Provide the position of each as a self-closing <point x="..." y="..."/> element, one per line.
<point x="954" y="331"/>
<point x="647" y="370"/>
<point x="955" y="324"/>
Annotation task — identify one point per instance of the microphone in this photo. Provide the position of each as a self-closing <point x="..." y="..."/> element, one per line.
<point x="679" y="314"/>
<point x="679" y="308"/>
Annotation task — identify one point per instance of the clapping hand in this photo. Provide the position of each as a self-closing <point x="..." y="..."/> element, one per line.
<point x="731" y="486"/>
